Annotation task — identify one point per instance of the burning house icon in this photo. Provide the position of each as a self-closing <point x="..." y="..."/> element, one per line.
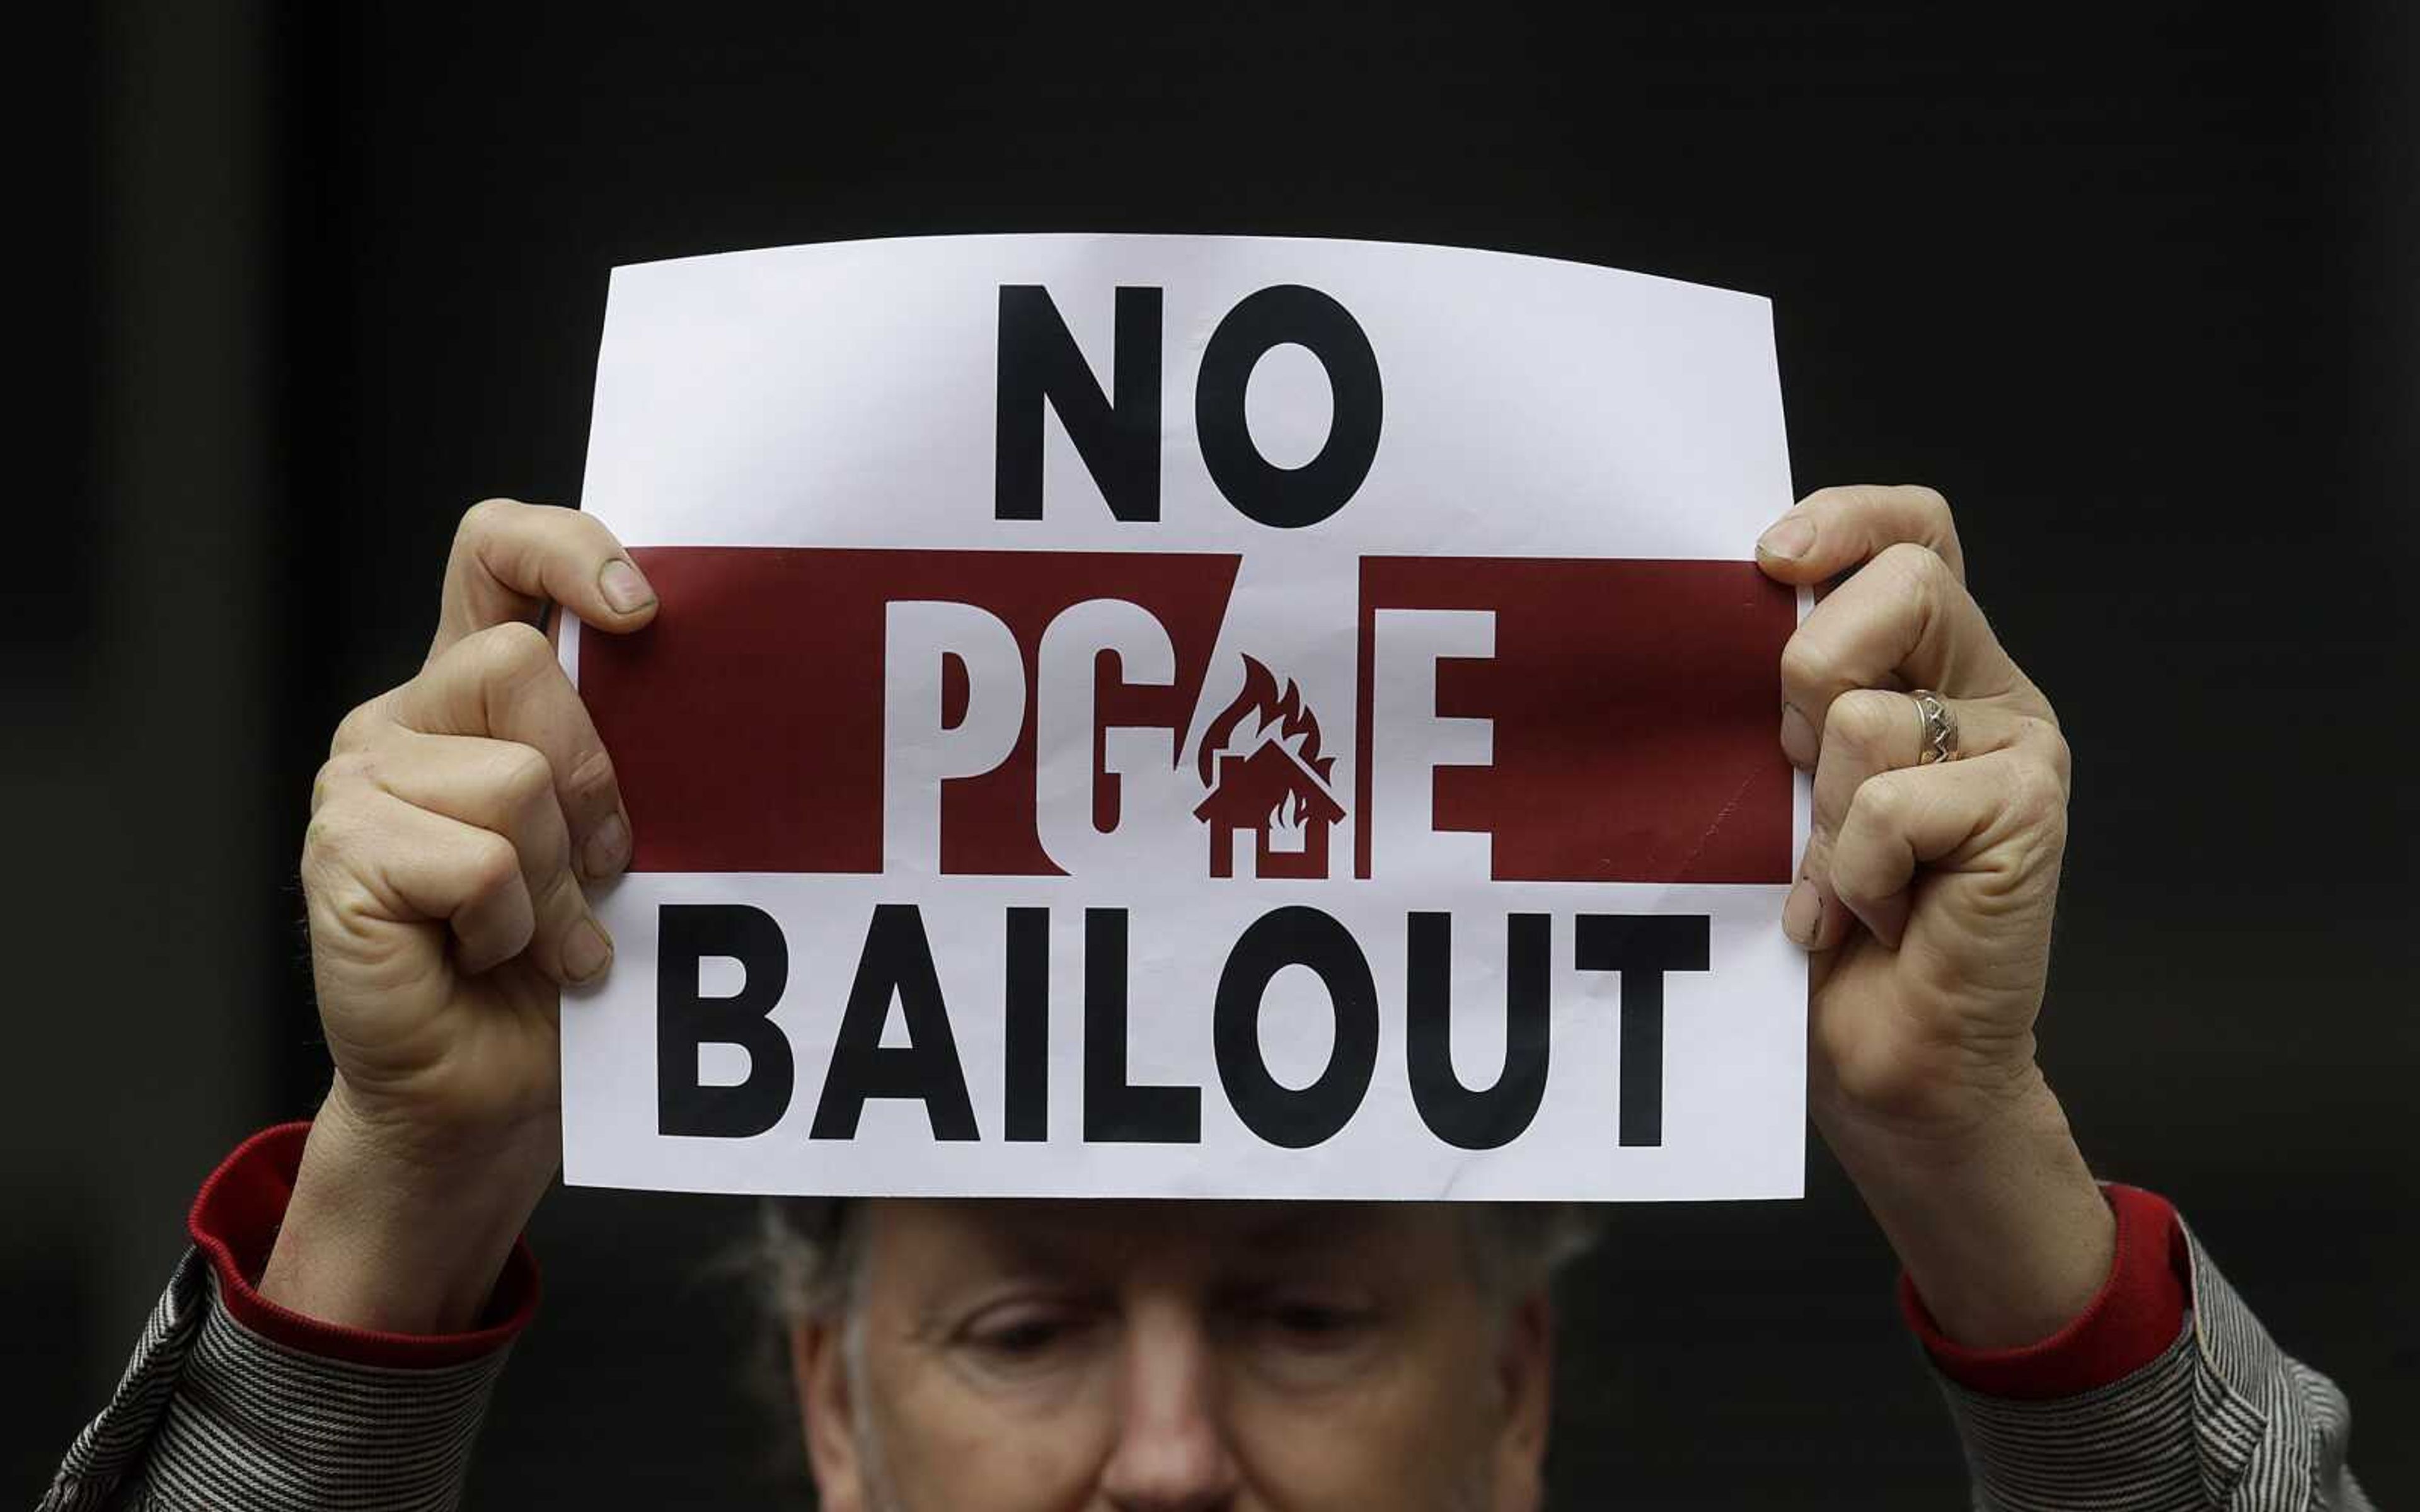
<point x="1260" y="759"/>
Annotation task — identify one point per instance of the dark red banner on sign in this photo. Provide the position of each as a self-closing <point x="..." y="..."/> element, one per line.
<point x="1634" y="705"/>
<point x="746" y="724"/>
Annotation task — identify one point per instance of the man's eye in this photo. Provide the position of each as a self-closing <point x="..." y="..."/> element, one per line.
<point x="1316" y="1325"/>
<point x="1028" y="1336"/>
<point x="1022" y="1333"/>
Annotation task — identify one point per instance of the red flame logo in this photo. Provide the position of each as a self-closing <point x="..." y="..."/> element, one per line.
<point x="1267" y="783"/>
<point x="1267" y="709"/>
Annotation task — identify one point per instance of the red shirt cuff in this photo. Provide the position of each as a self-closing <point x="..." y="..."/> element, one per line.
<point x="2131" y="1322"/>
<point x="235" y="1222"/>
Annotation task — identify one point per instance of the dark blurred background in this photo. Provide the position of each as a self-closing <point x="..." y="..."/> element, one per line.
<point x="2138" y="286"/>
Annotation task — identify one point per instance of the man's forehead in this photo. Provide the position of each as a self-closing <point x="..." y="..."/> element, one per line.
<point x="1109" y="1231"/>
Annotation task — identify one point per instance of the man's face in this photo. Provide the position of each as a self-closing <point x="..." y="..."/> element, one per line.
<point x="1152" y="1357"/>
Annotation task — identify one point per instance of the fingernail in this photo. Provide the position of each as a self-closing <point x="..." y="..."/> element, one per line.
<point x="586" y="952"/>
<point x="1802" y="913"/>
<point x="1798" y="740"/>
<point x="1792" y="538"/>
<point x="607" y="848"/>
<point x="623" y="588"/>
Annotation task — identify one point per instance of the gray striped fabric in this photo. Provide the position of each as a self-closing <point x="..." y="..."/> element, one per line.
<point x="211" y="1414"/>
<point x="2222" y="1420"/>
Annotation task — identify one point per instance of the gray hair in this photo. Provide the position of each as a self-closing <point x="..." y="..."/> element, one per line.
<point x="806" y="1252"/>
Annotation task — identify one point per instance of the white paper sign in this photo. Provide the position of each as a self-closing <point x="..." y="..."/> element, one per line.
<point x="1191" y="716"/>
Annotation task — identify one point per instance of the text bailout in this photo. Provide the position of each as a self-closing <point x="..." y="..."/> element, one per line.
<point x="896" y="967"/>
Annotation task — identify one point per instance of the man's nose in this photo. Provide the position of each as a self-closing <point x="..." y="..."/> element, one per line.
<point x="1172" y="1453"/>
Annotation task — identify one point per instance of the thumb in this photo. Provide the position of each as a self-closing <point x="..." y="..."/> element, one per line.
<point x="1833" y="531"/>
<point x="510" y="559"/>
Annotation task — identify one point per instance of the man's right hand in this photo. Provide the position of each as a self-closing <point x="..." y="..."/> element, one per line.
<point x="451" y="830"/>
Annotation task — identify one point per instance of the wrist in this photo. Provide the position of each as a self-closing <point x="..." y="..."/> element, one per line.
<point x="1997" y="1219"/>
<point x="392" y="1230"/>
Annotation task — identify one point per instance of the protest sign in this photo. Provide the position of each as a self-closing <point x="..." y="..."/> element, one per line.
<point x="1192" y="716"/>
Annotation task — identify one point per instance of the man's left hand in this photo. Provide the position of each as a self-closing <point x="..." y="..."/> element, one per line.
<point x="1925" y="899"/>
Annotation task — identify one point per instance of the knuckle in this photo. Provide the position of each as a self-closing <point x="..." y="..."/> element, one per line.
<point x="491" y="865"/>
<point x="485" y="518"/>
<point x="2029" y="868"/>
<point x="1882" y="807"/>
<point x="523" y="774"/>
<point x="1918" y="567"/>
<point x="331" y="841"/>
<point x="1865" y="721"/>
<point x="526" y="783"/>
<point x="2041" y="736"/>
<point x="2035" y="795"/>
<point x="340" y="772"/>
<point x="2041" y="708"/>
<point x="1806" y="664"/>
<point x="1922" y="577"/>
<point x="1932" y="506"/>
<point x="514" y="651"/>
<point x="359" y="725"/>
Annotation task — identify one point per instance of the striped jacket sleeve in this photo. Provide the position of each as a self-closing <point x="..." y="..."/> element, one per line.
<point x="2218" y="1418"/>
<point x="235" y="1403"/>
<point x="213" y="1414"/>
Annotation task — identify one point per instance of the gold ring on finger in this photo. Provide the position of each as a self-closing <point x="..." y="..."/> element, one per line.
<point x="1940" y="722"/>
